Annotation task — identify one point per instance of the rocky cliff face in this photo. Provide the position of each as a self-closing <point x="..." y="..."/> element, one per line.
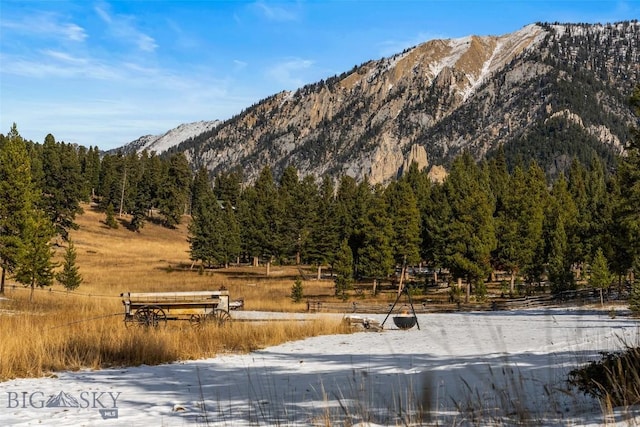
<point x="432" y="101"/>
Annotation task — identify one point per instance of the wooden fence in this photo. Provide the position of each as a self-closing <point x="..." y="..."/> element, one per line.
<point x="577" y="297"/>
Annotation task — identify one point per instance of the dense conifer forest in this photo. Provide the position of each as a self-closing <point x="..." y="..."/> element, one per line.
<point x="493" y="215"/>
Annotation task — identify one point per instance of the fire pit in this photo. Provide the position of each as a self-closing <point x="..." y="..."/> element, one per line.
<point x="405" y="321"/>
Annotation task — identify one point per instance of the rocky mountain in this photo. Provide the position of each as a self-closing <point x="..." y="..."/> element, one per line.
<point x="547" y="92"/>
<point x="172" y="138"/>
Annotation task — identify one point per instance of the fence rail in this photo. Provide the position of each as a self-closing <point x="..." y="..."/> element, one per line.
<point x="576" y="297"/>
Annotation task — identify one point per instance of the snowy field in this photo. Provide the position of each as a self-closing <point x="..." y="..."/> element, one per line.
<point x="507" y="366"/>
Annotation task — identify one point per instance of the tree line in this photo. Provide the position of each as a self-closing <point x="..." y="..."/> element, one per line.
<point x="485" y="216"/>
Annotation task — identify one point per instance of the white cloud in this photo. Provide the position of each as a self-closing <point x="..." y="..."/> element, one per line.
<point x="47" y="25"/>
<point x="288" y="73"/>
<point x="146" y="43"/>
<point x="275" y="13"/>
<point x="239" y="65"/>
<point x="103" y="14"/>
<point x="63" y="56"/>
<point x="123" y="28"/>
<point x="56" y="64"/>
<point x="74" y="32"/>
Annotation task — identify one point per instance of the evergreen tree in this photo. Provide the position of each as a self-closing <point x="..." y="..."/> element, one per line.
<point x="289" y="230"/>
<point x="343" y="268"/>
<point x="201" y="190"/>
<point x="259" y="217"/>
<point x="174" y="193"/>
<point x="297" y="291"/>
<point x="346" y="212"/>
<point x="421" y="187"/>
<point x="35" y="266"/>
<point x="110" y="219"/>
<point x="154" y="171"/>
<point x="599" y="208"/>
<point x="267" y="217"/>
<point x="614" y="239"/>
<point x="139" y="212"/>
<point x="533" y="267"/>
<point x="70" y="276"/>
<point x="600" y="277"/>
<point x="580" y="233"/>
<point x="307" y="206"/>
<point x="405" y="217"/>
<point x="90" y="169"/>
<point x="519" y="223"/>
<point x="324" y="240"/>
<point x="62" y="187"/>
<point x="471" y="233"/>
<point x="246" y="214"/>
<point x="375" y="253"/>
<point x="560" y="221"/>
<point x="437" y="216"/>
<point x="37" y="174"/>
<point x="110" y="184"/>
<point x="206" y="227"/>
<point x="361" y="223"/>
<point x="560" y="274"/>
<point x="17" y="198"/>
<point x="499" y="177"/>
<point x="629" y="180"/>
<point x="231" y="235"/>
<point x="228" y="185"/>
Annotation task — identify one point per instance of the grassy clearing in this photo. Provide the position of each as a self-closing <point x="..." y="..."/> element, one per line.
<point x="60" y="330"/>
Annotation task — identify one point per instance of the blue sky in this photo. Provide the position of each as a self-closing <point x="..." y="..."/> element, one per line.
<point x="102" y="73"/>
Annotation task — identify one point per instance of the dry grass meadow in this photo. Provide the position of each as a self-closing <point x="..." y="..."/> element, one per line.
<point x="62" y="330"/>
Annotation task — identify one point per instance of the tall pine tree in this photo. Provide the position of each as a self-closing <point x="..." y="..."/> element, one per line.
<point x="17" y="199"/>
<point x="174" y="192"/>
<point x="471" y="234"/>
<point x="375" y="229"/>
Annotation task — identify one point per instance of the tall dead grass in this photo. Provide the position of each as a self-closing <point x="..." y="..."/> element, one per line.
<point x="58" y="330"/>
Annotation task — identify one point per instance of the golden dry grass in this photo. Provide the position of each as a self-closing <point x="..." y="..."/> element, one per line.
<point x="58" y="330"/>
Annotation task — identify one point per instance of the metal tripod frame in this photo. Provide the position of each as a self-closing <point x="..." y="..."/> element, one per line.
<point x="404" y="290"/>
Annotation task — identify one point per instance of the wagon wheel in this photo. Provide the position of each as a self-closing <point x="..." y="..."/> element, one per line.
<point x="197" y="320"/>
<point x="219" y="316"/>
<point x="149" y="316"/>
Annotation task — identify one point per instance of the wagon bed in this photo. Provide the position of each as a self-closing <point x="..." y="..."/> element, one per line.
<point x="156" y="308"/>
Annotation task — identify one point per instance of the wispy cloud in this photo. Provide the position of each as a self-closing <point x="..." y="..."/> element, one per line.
<point x="55" y="64"/>
<point x="288" y="73"/>
<point x="239" y="65"/>
<point x="48" y="25"/>
<point x="275" y="13"/>
<point x="64" y="56"/>
<point x="123" y="28"/>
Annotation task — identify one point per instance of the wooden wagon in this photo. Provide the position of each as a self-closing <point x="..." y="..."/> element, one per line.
<point x="156" y="308"/>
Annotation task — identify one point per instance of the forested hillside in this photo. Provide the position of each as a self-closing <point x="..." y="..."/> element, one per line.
<point x="485" y="216"/>
<point x="547" y="92"/>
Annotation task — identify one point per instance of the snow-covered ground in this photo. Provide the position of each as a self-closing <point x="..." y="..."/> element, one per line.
<point x="503" y="364"/>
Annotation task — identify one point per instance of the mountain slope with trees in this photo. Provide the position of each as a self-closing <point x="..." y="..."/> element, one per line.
<point x="548" y="92"/>
<point x="482" y="218"/>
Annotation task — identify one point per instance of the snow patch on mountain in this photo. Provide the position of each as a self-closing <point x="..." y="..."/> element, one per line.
<point x="172" y="138"/>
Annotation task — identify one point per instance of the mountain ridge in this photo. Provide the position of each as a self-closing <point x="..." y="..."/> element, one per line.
<point x="439" y="98"/>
